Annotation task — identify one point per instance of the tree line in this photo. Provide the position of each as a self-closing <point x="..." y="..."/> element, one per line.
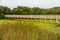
<point x="23" y="10"/>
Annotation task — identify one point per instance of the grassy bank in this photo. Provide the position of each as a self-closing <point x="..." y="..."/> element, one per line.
<point x="29" y="30"/>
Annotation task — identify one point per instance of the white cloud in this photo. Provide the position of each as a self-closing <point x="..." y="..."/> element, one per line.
<point x="31" y="3"/>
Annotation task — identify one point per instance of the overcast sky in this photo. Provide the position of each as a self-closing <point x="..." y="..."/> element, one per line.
<point x="30" y="3"/>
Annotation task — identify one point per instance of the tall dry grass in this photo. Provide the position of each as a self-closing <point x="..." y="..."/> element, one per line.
<point x="27" y="30"/>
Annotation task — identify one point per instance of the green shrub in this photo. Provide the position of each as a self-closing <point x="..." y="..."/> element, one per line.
<point x="2" y="16"/>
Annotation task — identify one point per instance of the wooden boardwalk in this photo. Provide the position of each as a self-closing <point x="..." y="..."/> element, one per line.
<point x="33" y="16"/>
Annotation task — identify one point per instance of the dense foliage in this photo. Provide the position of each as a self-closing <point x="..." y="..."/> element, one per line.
<point x="4" y="10"/>
<point x="36" y="11"/>
<point x="23" y="10"/>
<point x="2" y="16"/>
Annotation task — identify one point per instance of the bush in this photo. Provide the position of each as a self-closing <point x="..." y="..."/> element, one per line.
<point x="2" y="16"/>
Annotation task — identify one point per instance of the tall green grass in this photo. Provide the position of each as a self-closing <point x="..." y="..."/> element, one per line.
<point x="29" y="30"/>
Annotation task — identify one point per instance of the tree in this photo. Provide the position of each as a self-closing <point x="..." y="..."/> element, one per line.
<point x="7" y="10"/>
<point x="36" y="11"/>
<point x="1" y="9"/>
<point x="21" y="10"/>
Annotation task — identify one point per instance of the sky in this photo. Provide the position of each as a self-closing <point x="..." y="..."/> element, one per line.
<point x="30" y="3"/>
